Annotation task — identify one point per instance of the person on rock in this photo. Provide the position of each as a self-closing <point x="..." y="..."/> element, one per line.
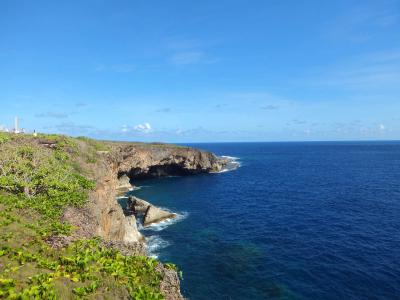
<point x="130" y="205"/>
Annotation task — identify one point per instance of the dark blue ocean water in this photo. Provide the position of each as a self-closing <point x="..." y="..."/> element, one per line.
<point x="295" y="221"/>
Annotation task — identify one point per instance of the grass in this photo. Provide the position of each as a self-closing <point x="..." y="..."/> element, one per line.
<point x="40" y="177"/>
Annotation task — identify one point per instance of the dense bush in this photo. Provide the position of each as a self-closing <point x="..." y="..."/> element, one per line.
<point x="41" y="175"/>
<point x="4" y="137"/>
<point x="33" y="270"/>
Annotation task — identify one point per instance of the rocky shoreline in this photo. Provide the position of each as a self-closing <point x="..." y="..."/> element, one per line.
<point x="103" y="216"/>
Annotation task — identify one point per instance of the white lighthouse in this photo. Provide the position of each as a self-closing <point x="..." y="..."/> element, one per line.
<point x="16" y="129"/>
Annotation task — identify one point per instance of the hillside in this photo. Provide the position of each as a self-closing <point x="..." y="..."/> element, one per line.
<point x="63" y="234"/>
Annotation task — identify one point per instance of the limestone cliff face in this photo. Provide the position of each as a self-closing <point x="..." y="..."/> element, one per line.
<point x="104" y="217"/>
<point x="154" y="160"/>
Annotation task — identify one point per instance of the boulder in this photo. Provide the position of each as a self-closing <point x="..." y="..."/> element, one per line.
<point x="154" y="215"/>
<point x="140" y="206"/>
<point x="124" y="182"/>
<point x="132" y="234"/>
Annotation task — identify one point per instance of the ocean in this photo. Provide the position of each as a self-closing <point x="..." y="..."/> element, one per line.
<point x="312" y="220"/>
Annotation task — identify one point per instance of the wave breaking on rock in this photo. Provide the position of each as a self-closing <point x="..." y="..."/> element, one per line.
<point x="230" y="163"/>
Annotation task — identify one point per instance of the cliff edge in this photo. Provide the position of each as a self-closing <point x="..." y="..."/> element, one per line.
<point x="64" y="234"/>
<point x="103" y="216"/>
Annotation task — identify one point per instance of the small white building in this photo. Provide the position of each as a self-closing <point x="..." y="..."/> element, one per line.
<point x="3" y="128"/>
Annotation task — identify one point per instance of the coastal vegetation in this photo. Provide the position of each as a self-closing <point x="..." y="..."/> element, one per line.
<point x="39" y="178"/>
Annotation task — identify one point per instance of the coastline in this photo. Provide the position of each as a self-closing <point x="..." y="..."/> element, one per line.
<point x="126" y="188"/>
<point x="100" y="173"/>
<point x="154" y="243"/>
<point x="131" y="162"/>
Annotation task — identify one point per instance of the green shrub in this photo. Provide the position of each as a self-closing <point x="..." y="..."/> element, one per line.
<point x="36" y="184"/>
<point x="96" y="145"/>
<point x="33" y="270"/>
<point x="33" y="170"/>
<point x="44" y="178"/>
<point x="4" y="137"/>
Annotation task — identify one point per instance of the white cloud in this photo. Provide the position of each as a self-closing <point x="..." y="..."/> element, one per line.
<point x="144" y="128"/>
<point x="139" y="128"/>
<point x="3" y="128"/>
<point x="382" y="127"/>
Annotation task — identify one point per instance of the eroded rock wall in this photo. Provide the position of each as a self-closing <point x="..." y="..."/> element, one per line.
<point x="103" y="216"/>
<point x="138" y="161"/>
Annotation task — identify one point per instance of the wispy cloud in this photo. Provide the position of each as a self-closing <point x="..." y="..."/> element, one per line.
<point x="164" y="110"/>
<point x="198" y="131"/>
<point x="380" y="70"/>
<point x="269" y="107"/>
<point x="297" y="122"/>
<point x="55" y="115"/>
<point x="180" y="44"/>
<point x="364" y="22"/>
<point x="80" y="104"/>
<point x="117" y="68"/>
<point x="187" y="51"/>
<point x="73" y="128"/>
<point x="191" y="57"/>
<point x="139" y="128"/>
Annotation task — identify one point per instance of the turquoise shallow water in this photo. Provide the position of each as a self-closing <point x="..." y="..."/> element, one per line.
<point x="295" y="221"/>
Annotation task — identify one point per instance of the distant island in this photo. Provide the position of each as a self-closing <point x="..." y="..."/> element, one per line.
<point x="63" y="233"/>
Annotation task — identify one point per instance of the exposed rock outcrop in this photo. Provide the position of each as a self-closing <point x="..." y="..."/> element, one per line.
<point x="139" y="205"/>
<point x="156" y="160"/>
<point x="155" y="215"/>
<point x="123" y="184"/>
<point x="151" y="214"/>
<point x="170" y="287"/>
<point x="103" y="216"/>
<point x="132" y="234"/>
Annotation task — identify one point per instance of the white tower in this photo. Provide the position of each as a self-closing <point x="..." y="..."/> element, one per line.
<point x="16" y="129"/>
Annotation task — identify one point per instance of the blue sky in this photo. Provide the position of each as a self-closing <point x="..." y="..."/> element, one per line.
<point x="198" y="71"/>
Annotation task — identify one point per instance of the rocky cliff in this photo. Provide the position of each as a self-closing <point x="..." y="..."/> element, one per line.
<point x="103" y="216"/>
<point x="138" y="160"/>
<point x="156" y="160"/>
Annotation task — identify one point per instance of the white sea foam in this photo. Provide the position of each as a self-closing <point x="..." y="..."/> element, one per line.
<point x="232" y="165"/>
<point x="137" y="188"/>
<point x="230" y="157"/>
<point x="222" y="171"/>
<point x="164" y="224"/>
<point x="154" y="244"/>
